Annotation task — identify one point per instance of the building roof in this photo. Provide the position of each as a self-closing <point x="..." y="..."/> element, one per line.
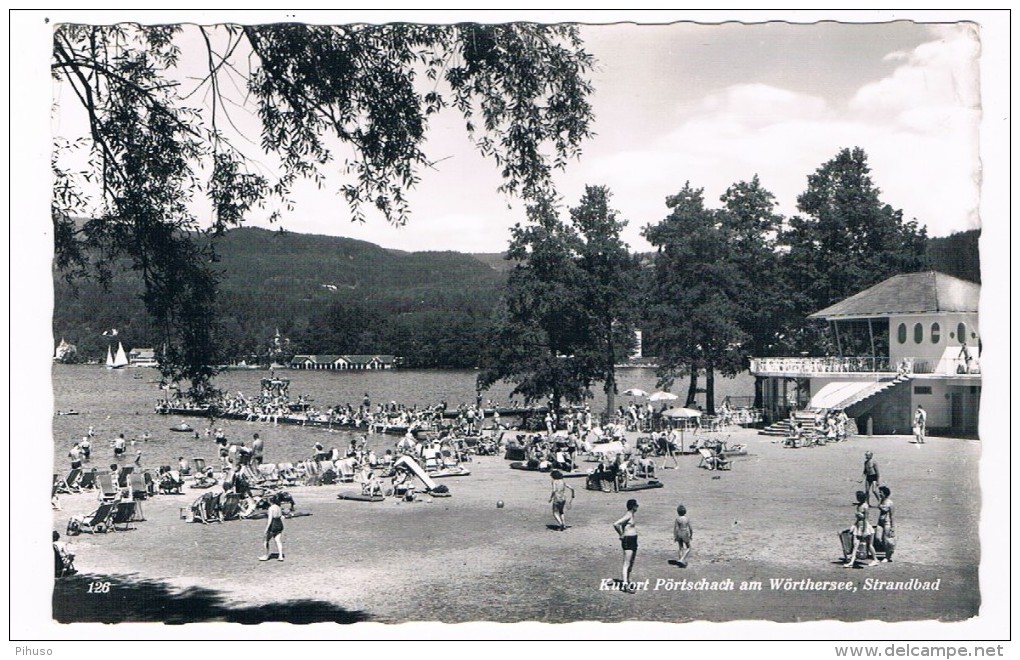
<point x="910" y="293"/>
<point x="365" y="359"/>
<point x="353" y="359"/>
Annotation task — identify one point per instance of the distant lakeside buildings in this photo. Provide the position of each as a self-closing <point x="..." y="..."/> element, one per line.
<point x="343" y="362"/>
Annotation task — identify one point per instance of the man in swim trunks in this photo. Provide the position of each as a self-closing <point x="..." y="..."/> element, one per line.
<point x="119" y="445"/>
<point x="871" y="477"/>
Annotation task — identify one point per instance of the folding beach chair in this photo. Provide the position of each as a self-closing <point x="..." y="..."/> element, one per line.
<point x="108" y="487"/>
<point x="88" y="480"/>
<point x="97" y="521"/>
<point x="231" y="506"/>
<point x="139" y="487"/>
<point x="171" y="481"/>
<point x="124" y="514"/>
<point x="68" y="484"/>
<point x="710" y="461"/>
<point x="122" y="477"/>
<point x="197" y="465"/>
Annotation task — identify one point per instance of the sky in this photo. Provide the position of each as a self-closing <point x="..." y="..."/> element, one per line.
<point x="714" y="104"/>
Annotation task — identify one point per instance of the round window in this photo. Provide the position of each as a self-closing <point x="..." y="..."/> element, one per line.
<point x="935" y="333"/>
<point x="918" y="333"/>
<point x="901" y="333"/>
<point x="961" y="332"/>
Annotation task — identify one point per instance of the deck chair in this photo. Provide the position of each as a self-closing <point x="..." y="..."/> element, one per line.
<point x="712" y="462"/>
<point x="139" y="486"/>
<point x="231" y="506"/>
<point x="645" y="470"/>
<point x="171" y="481"/>
<point x="124" y="515"/>
<point x="88" y="480"/>
<point x="267" y="473"/>
<point x="107" y="485"/>
<point x="97" y="521"/>
<point x="122" y="477"/>
<point x="197" y="465"/>
<point x="345" y="471"/>
<point x="64" y="484"/>
<point x="63" y="564"/>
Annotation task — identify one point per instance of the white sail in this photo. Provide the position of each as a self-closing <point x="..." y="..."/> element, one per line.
<point x="109" y="357"/>
<point x="121" y="360"/>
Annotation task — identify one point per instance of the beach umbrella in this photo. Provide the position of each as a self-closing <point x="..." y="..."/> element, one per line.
<point x="663" y="396"/>
<point x="635" y="392"/>
<point x="681" y="413"/>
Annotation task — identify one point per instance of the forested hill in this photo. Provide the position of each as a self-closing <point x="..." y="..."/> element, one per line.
<point x="957" y="255"/>
<point x="339" y="295"/>
<point x="326" y="294"/>
<point x="291" y="268"/>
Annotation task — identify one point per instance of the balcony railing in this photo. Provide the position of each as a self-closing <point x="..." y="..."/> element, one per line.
<point x="863" y="364"/>
<point x="820" y="365"/>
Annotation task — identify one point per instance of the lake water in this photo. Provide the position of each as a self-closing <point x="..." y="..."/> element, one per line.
<point x="122" y="401"/>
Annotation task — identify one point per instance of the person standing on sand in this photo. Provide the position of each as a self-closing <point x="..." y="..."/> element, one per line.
<point x="274" y="528"/>
<point x="871" y="477"/>
<point x="558" y="497"/>
<point x="920" y="425"/>
<point x="257" y="450"/>
<point x="626" y="528"/>
<point x="885" y="534"/>
<point x="683" y="534"/>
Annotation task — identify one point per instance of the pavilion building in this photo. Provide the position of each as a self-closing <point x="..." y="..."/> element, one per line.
<point x="910" y="340"/>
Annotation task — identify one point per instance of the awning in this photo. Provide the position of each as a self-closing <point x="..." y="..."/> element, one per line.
<point x="844" y="393"/>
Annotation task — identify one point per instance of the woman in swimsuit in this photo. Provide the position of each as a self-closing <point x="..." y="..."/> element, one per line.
<point x="626" y="527"/>
<point x="863" y="531"/>
<point x="558" y="497"/>
<point x="274" y="528"/>
<point x="885" y="534"/>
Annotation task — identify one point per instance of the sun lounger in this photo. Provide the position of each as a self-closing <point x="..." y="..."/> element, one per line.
<point x="345" y="471"/>
<point x="97" y="521"/>
<point x="287" y="473"/>
<point x="198" y="465"/>
<point x="122" y="477"/>
<point x="711" y="461"/>
<point x="231" y="506"/>
<point x="124" y="514"/>
<point x="88" y="480"/>
<point x="68" y="484"/>
<point x="171" y="481"/>
<point x="106" y="484"/>
<point x="139" y="488"/>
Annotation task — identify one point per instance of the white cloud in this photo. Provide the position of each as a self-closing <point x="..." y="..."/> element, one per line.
<point x="918" y="126"/>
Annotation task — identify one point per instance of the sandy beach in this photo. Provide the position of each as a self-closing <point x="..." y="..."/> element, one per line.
<point x="771" y="521"/>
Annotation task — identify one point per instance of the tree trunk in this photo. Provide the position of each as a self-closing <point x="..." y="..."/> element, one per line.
<point x="692" y="389"/>
<point x="610" y="387"/>
<point x="710" y="391"/>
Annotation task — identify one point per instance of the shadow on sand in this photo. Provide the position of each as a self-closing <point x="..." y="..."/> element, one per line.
<point x="138" y="600"/>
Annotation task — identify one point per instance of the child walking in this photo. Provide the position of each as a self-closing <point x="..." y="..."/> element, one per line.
<point x="683" y="533"/>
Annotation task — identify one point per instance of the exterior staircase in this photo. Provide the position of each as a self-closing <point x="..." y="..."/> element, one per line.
<point x="806" y="418"/>
<point x="864" y="396"/>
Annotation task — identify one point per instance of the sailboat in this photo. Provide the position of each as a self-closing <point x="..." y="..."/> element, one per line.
<point x="118" y="361"/>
